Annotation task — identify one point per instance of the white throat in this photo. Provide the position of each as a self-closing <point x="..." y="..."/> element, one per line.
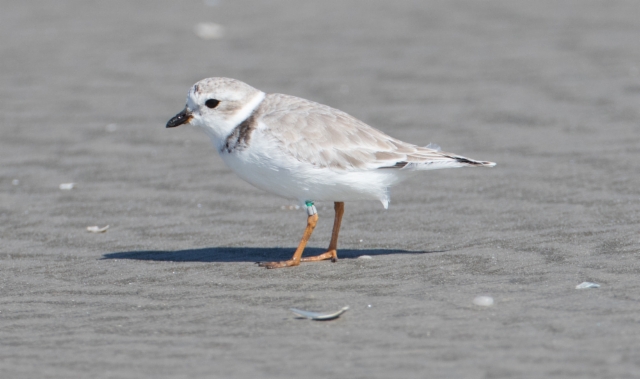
<point x="219" y="135"/>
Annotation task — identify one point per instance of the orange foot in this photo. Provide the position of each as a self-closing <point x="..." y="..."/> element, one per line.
<point x="289" y="263"/>
<point x="331" y="254"/>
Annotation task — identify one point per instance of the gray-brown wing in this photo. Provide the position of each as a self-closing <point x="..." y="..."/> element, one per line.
<point x="329" y="138"/>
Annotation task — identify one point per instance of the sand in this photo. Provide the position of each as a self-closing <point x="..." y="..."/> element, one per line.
<point x="549" y="90"/>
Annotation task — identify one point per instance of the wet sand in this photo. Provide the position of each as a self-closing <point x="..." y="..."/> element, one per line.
<point x="548" y="90"/>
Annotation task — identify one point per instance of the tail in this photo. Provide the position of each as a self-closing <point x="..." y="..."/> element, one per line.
<point x="460" y="160"/>
<point x="469" y="162"/>
<point x="430" y="158"/>
<point x="443" y="160"/>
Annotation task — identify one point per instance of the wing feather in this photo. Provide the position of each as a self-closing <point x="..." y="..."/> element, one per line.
<point x="329" y="138"/>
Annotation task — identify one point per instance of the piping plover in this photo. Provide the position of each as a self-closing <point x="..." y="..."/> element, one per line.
<point x="303" y="150"/>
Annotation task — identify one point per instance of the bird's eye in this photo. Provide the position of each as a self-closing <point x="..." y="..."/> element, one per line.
<point x="211" y="103"/>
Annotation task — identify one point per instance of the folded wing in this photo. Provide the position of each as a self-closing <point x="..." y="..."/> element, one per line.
<point x="329" y="138"/>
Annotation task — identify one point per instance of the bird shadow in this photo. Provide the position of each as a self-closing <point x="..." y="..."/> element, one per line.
<point x="245" y="254"/>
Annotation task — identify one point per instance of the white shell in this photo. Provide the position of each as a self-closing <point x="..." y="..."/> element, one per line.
<point x="587" y="285"/>
<point x="483" y="301"/>
<point x="319" y="316"/>
<point x="97" y="229"/>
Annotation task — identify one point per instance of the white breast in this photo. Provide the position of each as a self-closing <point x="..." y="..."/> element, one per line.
<point x="262" y="165"/>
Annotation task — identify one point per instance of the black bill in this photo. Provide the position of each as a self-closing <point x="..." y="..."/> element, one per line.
<point x="181" y="118"/>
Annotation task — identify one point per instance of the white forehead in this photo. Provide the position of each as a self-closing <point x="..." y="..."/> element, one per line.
<point x="221" y="89"/>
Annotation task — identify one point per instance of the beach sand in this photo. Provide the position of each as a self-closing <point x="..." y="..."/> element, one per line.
<point x="548" y="90"/>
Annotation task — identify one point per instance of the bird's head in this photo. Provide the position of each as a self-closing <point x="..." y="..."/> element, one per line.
<point x="218" y="105"/>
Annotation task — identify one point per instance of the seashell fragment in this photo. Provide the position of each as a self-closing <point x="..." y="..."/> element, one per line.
<point x="587" y="285"/>
<point x="97" y="229"/>
<point x="319" y="316"/>
<point x="483" y="301"/>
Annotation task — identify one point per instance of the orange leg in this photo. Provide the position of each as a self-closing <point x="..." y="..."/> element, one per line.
<point x="312" y="220"/>
<point x="332" y="252"/>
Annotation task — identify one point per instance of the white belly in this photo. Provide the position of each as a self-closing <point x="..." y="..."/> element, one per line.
<point x="289" y="178"/>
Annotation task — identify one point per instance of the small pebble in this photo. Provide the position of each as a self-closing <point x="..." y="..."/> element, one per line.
<point x="209" y="30"/>
<point x="67" y="186"/>
<point x="483" y="301"/>
<point x="365" y="257"/>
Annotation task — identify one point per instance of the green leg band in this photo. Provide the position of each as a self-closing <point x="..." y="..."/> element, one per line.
<point x="311" y="209"/>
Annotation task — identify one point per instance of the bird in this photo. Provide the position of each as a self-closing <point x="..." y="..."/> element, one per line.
<point x="306" y="151"/>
